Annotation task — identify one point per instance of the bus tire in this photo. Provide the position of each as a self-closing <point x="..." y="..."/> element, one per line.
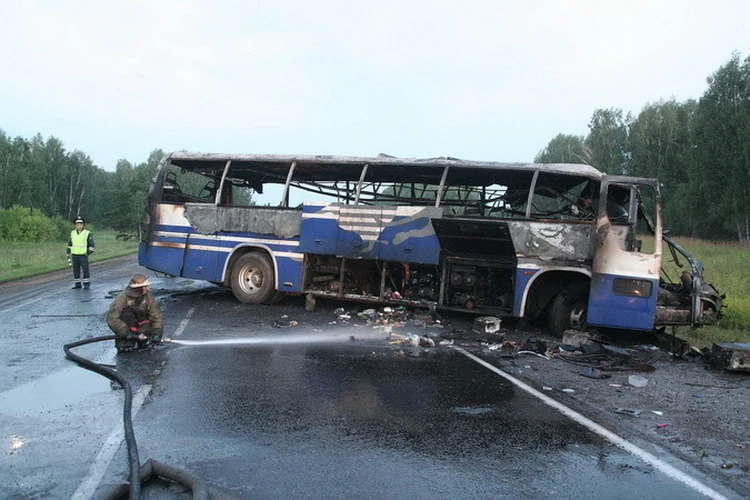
<point x="253" y="279"/>
<point x="568" y="310"/>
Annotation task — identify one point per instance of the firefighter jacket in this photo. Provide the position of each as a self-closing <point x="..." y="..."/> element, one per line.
<point x="143" y="307"/>
<point x="80" y="243"/>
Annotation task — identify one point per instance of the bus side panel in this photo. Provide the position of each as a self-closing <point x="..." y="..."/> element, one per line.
<point x="319" y="228"/>
<point x="201" y="258"/>
<point x="359" y="229"/>
<point x="284" y="252"/>
<point x="289" y="271"/>
<point x="409" y="236"/>
<point x="165" y="250"/>
<point x="400" y="234"/>
<point x="524" y="274"/>
<point x="621" y="311"/>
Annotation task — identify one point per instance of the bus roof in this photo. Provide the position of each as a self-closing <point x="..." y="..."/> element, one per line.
<point x="271" y="162"/>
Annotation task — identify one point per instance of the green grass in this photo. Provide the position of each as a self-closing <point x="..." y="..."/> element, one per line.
<point x="726" y="265"/>
<point x="24" y="259"/>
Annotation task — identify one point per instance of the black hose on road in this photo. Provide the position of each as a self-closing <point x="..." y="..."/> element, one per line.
<point x="151" y="467"/>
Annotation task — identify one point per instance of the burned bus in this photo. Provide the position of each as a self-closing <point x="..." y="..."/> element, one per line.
<point x="560" y="243"/>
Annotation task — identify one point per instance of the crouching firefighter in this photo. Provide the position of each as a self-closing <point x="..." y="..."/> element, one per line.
<point x="135" y="318"/>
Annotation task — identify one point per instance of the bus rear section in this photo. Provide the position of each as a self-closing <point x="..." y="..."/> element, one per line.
<point x="512" y="240"/>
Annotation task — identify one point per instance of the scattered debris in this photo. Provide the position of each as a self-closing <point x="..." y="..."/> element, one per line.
<point x="595" y="373"/>
<point x="701" y="453"/>
<point x="680" y="348"/>
<point x="534" y="354"/>
<point x="637" y="381"/>
<point x="569" y="390"/>
<point x="657" y="412"/>
<point x="731" y="356"/>
<point x="486" y="325"/>
<point x="284" y="324"/>
<point x="575" y="338"/>
<point x="309" y="302"/>
<point x="535" y="345"/>
<point x="661" y="426"/>
<point x="608" y="357"/>
<point x="628" y="411"/>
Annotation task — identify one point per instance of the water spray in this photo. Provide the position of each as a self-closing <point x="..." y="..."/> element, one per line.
<point x="306" y="338"/>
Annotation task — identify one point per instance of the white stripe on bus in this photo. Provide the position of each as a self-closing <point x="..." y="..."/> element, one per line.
<point x="207" y="248"/>
<point x="235" y="239"/>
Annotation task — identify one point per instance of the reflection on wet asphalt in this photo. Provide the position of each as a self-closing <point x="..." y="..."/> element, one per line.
<point x="355" y="421"/>
<point x="330" y="420"/>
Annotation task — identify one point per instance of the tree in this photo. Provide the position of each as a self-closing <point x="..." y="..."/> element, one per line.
<point x="607" y="141"/>
<point x="129" y="196"/>
<point x="48" y="169"/>
<point x="722" y="173"/>
<point x="563" y="148"/>
<point x="80" y="170"/>
<point x="661" y="146"/>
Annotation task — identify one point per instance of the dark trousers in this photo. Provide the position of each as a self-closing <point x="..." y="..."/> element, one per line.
<point x="81" y="267"/>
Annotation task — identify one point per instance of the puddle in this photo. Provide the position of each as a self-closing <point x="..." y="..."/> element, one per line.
<point x="53" y="392"/>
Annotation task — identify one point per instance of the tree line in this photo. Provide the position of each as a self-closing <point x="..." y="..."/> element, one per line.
<point x="41" y="176"/>
<point x="699" y="150"/>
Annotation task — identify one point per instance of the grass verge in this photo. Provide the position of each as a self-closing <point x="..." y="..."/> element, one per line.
<point x="727" y="266"/>
<point x="25" y="259"/>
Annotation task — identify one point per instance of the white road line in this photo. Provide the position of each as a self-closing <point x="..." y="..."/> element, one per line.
<point x="183" y="324"/>
<point x="647" y="457"/>
<point x="89" y="484"/>
<point x="94" y="476"/>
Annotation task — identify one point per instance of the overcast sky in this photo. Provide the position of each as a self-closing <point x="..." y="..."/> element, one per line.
<point x="481" y="80"/>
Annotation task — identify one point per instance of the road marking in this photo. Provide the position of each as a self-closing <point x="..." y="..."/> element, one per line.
<point x="96" y="472"/>
<point x="89" y="484"/>
<point x="183" y="324"/>
<point x="647" y="457"/>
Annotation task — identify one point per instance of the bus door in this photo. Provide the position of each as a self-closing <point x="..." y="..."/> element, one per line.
<point x="627" y="260"/>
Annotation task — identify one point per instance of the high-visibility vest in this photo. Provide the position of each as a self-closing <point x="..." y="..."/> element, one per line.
<point x="79" y="242"/>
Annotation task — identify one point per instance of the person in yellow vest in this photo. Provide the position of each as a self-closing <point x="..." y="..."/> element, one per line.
<point x="80" y="246"/>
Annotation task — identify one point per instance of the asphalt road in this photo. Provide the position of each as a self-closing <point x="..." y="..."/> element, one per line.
<point x="279" y="402"/>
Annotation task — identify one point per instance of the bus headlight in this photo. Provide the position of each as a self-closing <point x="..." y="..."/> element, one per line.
<point x="632" y="287"/>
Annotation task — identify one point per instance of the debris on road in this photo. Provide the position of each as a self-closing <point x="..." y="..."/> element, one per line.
<point x="595" y="373"/>
<point x="486" y="325"/>
<point x="628" y="411"/>
<point x="576" y="338"/>
<point x="731" y="356"/>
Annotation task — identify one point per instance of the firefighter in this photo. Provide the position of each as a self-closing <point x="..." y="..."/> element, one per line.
<point x="135" y="318"/>
<point x="80" y="246"/>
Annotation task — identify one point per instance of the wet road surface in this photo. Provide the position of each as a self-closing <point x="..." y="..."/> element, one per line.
<point x="337" y="418"/>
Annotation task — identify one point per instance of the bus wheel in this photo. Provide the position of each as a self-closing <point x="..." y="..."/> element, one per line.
<point x="568" y="310"/>
<point x="253" y="279"/>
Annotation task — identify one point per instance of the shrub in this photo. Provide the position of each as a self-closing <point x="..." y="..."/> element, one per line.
<point x="20" y="223"/>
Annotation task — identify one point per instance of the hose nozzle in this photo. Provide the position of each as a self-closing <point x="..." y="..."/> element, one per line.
<point x="165" y="340"/>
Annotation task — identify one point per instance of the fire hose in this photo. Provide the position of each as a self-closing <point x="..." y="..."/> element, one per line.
<point x="151" y="467"/>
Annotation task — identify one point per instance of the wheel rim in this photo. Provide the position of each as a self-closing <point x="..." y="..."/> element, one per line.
<point x="578" y="317"/>
<point x="250" y="279"/>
